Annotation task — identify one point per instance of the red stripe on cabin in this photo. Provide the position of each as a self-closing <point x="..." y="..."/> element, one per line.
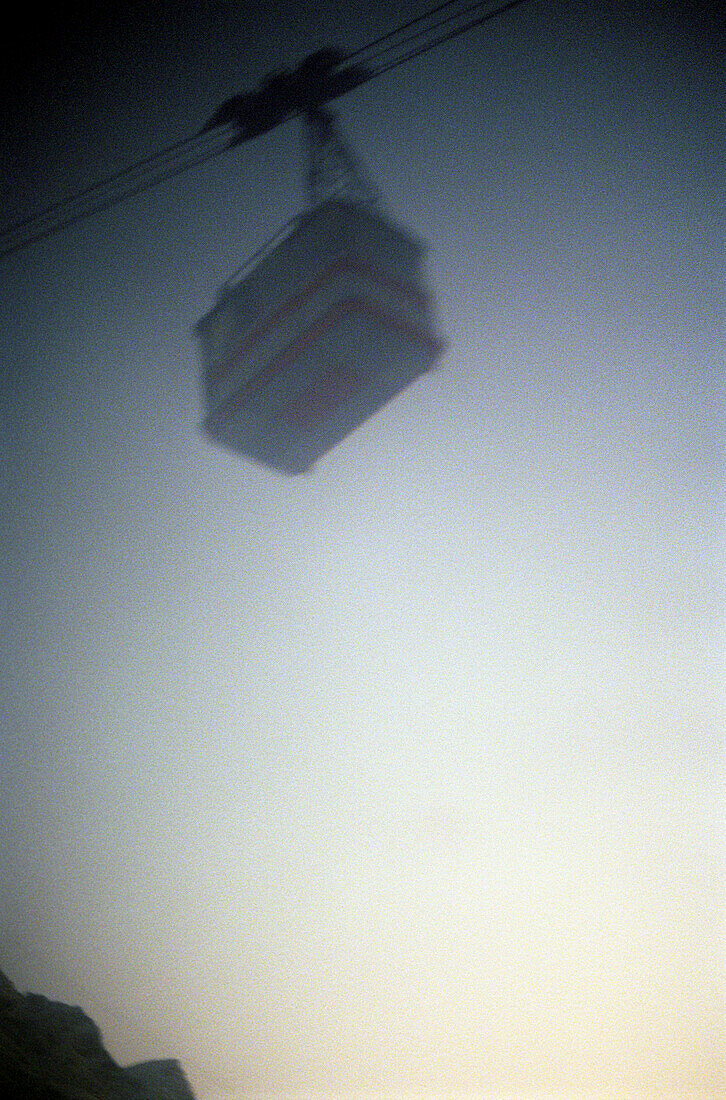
<point x="324" y="324"/>
<point x="335" y="267"/>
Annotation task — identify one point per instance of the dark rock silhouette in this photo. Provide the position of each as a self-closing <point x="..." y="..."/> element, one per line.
<point x="54" y="1051"/>
<point x="162" y="1079"/>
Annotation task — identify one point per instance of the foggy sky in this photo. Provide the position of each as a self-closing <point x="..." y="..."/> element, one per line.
<point x="402" y="777"/>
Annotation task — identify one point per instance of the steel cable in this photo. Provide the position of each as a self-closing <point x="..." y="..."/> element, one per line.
<point x="200" y="147"/>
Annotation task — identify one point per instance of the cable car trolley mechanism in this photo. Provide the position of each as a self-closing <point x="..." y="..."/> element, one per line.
<point x="332" y="322"/>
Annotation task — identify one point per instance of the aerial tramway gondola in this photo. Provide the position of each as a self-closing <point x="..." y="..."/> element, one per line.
<point x="334" y="320"/>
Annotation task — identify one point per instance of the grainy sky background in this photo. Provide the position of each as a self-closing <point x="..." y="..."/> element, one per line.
<point x="403" y="777"/>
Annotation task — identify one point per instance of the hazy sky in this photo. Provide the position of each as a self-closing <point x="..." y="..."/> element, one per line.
<point x="405" y="776"/>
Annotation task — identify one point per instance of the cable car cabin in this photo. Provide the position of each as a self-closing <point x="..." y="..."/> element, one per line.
<point x="330" y="326"/>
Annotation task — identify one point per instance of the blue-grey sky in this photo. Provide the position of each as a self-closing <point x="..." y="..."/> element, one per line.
<point x="403" y="777"/>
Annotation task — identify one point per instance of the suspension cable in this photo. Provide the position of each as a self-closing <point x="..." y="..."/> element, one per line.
<point x="202" y="146"/>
